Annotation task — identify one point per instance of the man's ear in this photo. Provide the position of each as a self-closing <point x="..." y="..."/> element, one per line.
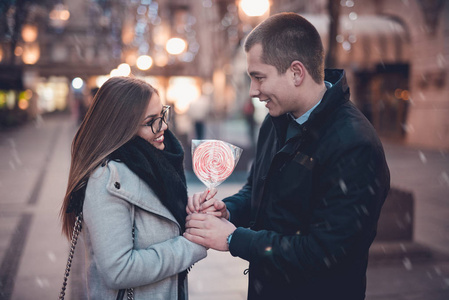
<point x="298" y="72"/>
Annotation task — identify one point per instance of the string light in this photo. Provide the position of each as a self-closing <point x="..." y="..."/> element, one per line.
<point x="346" y="42"/>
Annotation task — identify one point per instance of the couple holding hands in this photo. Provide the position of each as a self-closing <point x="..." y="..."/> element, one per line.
<point x="304" y="220"/>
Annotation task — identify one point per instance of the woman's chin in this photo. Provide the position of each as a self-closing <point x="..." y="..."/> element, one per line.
<point x="159" y="146"/>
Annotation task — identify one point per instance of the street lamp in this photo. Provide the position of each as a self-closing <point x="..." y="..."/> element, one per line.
<point x="255" y="8"/>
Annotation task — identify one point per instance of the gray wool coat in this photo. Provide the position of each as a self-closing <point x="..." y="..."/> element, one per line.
<point x="115" y="199"/>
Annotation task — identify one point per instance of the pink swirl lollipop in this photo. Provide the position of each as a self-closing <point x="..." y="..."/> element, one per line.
<point x="213" y="162"/>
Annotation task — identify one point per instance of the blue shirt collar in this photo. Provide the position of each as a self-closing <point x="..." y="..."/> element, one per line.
<point x="302" y="119"/>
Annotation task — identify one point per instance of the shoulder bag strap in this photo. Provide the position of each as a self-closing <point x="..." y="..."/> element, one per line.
<point x="75" y="234"/>
<point x="76" y="231"/>
<point x="130" y="291"/>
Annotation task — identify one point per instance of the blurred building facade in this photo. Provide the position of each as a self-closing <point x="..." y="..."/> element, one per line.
<point x="395" y="53"/>
<point x="396" y="56"/>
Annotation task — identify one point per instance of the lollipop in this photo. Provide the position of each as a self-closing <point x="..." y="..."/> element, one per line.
<point x="214" y="161"/>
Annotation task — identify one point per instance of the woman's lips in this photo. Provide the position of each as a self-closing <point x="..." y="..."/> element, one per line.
<point x="160" y="139"/>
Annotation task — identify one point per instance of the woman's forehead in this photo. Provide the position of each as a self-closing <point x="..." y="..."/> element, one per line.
<point x="154" y="106"/>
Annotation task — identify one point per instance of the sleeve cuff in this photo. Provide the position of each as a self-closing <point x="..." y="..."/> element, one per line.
<point x="241" y="242"/>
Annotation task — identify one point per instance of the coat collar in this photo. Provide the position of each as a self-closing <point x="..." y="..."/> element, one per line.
<point x="333" y="98"/>
<point x="125" y="184"/>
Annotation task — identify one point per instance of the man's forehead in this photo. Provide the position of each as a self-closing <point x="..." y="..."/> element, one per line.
<point x="253" y="58"/>
<point x="255" y="51"/>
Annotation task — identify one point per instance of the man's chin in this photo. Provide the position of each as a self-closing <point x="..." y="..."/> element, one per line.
<point x="273" y="113"/>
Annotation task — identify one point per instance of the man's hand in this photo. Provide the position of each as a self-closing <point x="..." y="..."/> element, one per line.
<point x="215" y="207"/>
<point x="208" y="230"/>
<point x="194" y="203"/>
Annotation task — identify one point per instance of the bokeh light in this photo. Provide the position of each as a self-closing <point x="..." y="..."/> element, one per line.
<point x="175" y="46"/>
<point x="254" y="8"/>
<point x="144" y="62"/>
<point x="182" y="91"/>
<point x="23" y="104"/>
<point x="101" y="80"/>
<point x="31" y="53"/>
<point x="124" y="69"/>
<point x="77" y="83"/>
<point x="29" y="33"/>
<point x="114" y="73"/>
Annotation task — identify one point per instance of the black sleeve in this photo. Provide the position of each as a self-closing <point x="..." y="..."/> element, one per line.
<point x="239" y="205"/>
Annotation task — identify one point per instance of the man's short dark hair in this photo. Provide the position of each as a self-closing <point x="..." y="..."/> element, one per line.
<point x="286" y="37"/>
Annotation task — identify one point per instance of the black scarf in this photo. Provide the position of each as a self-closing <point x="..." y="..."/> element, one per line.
<point x="162" y="170"/>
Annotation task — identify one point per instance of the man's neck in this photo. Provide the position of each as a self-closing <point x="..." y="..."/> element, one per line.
<point x="310" y="99"/>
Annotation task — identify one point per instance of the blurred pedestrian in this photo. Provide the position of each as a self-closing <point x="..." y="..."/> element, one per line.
<point x="85" y="103"/>
<point x="198" y="111"/>
<point x="308" y="213"/>
<point x="127" y="179"/>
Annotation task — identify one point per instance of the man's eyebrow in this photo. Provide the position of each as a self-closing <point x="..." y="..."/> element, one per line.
<point x="254" y="73"/>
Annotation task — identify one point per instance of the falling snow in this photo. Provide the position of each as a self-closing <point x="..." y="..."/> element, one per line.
<point x="422" y="157"/>
<point x="42" y="282"/>
<point x="51" y="256"/>
<point x="407" y="264"/>
<point x="343" y="186"/>
<point x="444" y="178"/>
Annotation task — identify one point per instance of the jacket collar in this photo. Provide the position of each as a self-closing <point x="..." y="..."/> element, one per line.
<point x="333" y="98"/>
<point x="125" y="184"/>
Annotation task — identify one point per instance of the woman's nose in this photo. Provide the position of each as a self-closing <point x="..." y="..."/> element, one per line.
<point x="164" y="126"/>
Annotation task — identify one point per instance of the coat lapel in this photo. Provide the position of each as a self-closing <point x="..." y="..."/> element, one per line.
<point x="128" y="186"/>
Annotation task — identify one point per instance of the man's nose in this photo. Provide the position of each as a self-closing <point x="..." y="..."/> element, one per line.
<point x="254" y="91"/>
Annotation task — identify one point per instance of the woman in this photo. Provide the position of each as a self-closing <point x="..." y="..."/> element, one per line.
<point x="127" y="178"/>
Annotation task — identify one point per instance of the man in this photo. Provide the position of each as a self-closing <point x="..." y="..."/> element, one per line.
<point x="308" y="213"/>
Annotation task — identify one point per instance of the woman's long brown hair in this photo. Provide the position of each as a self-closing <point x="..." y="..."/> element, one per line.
<point x="113" y="119"/>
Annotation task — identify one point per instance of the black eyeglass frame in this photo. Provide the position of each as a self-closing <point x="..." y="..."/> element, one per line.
<point x="165" y="117"/>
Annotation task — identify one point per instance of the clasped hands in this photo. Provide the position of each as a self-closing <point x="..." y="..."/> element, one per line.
<point x="207" y="221"/>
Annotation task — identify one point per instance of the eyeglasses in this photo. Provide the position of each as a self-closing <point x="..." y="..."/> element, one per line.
<point x="165" y="117"/>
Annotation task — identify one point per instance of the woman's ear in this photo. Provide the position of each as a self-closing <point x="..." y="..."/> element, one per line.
<point x="298" y="71"/>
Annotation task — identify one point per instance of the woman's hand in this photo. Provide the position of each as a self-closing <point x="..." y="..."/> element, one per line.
<point x="194" y="203"/>
<point x="215" y="207"/>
